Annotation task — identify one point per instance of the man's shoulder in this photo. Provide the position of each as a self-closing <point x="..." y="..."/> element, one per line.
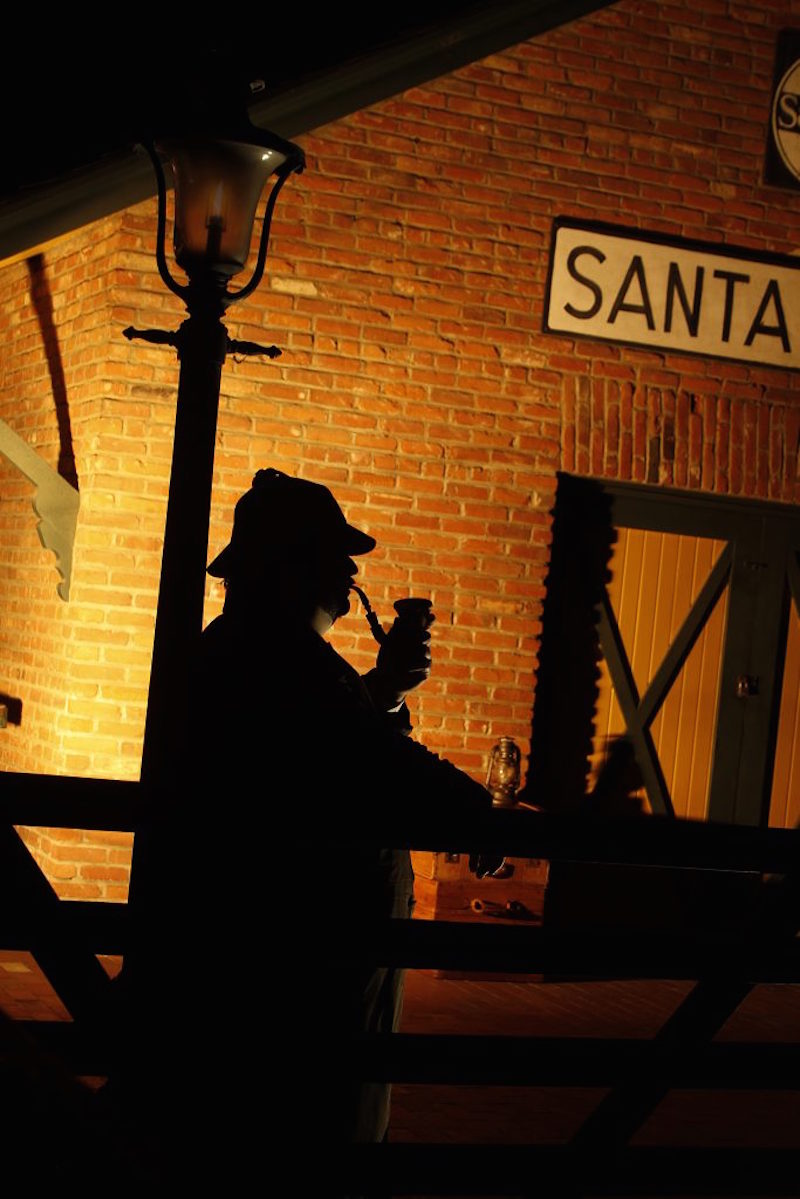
<point x="298" y="658"/>
<point x="216" y="643"/>
<point x="214" y="631"/>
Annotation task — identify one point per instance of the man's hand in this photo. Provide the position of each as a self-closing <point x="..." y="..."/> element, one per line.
<point x="487" y="865"/>
<point x="404" y="661"/>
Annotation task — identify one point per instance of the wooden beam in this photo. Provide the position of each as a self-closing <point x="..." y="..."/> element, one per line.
<point x="569" y="1062"/>
<point x="593" y="954"/>
<point x="469" y="1169"/>
<point x="80" y="1046"/>
<point x="628" y="699"/>
<point x="646" y="841"/>
<point x="428" y="944"/>
<point x="497" y="1061"/>
<point x="103" y="926"/>
<point x="65" y="956"/>
<point x="58" y="801"/>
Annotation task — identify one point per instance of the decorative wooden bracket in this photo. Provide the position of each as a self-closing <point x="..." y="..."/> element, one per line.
<point x="56" y="502"/>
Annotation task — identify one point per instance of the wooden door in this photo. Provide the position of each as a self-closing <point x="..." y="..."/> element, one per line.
<point x="693" y="601"/>
<point x="655" y="581"/>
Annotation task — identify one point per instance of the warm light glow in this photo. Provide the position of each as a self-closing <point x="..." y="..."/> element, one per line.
<point x="502" y="780"/>
<point x="216" y="213"/>
<point x="217" y="188"/>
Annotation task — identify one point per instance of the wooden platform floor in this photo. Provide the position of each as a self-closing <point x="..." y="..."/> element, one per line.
<point x="540" y="1115"/>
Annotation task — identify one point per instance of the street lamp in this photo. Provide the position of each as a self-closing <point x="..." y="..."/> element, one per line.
<point x="218" y="182"/>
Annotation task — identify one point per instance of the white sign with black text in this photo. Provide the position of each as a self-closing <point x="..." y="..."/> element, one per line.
<point x="627" y="286"/>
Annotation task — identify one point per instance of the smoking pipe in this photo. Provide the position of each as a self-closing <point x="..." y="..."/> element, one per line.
<point x="416" y="612"/>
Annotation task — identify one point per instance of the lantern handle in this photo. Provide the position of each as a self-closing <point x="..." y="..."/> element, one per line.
<point x="161" y="257"/>
<point x="283" y="172"/>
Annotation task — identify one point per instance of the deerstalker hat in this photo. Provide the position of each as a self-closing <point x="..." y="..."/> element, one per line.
<point x="280" y="513"/>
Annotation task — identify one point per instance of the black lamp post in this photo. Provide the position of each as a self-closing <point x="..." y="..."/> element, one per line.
<point x="218" y="182"/>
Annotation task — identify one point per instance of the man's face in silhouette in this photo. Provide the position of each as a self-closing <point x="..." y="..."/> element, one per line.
<point x="307" y="586"/>
<point x="331" y="575"/>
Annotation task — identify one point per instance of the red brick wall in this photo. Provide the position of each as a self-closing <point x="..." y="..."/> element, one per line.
<point x="406" y="284"/>
<point x="62" y="660"/>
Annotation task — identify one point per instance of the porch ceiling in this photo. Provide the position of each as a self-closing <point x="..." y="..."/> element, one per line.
<point x="74" y="116"/>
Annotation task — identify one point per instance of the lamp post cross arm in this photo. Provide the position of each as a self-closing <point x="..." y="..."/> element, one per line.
<point x="165" y="337"/>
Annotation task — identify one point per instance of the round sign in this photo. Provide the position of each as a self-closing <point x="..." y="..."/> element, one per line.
<point x="786" y="119"/>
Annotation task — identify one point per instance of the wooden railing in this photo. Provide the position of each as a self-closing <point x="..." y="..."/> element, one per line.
<point x="65" y="936"/>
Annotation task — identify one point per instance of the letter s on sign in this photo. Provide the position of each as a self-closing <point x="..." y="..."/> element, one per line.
<point x="585" y="314"/>
<point x="787" y="111"/>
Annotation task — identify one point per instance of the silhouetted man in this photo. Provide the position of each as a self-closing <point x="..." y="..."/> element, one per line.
<point x="252" y="978"/>
<point x="304" y="749"/>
